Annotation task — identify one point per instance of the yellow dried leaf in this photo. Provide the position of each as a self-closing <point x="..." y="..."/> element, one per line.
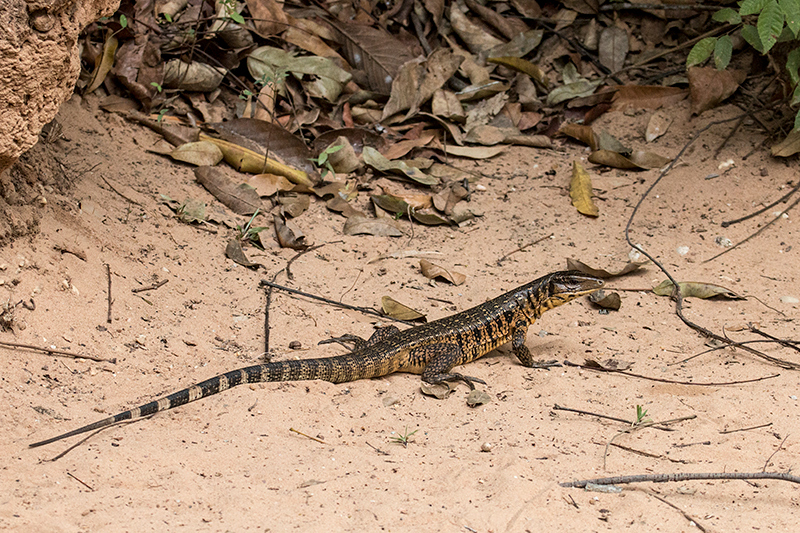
<point x="580" y="191"/>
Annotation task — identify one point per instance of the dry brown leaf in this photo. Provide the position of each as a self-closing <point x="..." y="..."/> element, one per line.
<point x="524" y="66"/>
<point x="289" y="236"/>
<point x="445" y="104"/>
<point x="235" y="253"/>
<point x="477" y="397"/>
<point x="340" y="205"/>
<point x="269" y="184"/>
<point x="295" y="205"/>
<point x="609" y="365"/>
<point x="418" y="80"/>
<point x="395" y="309"/>
<point x="475" y="152"/>
<point x="613" y="48"/>
<point x="268" y="17"/>
<point x="240" y="198"/>
<point x="377" y="161"/>
<point x="659" y="123"/>
<point x="580" y="191"/>
<point x="709" y="86"/>
<point x="438" y="390"/>
<point x="610" y="300"/>
<point x="200" y="153"/>
<point x="475" y="37"/>
<point x="584" y="134"/>
<point x="401" y="148"/>
<point x="103" y="63"/>
<point x="580" y="266"/>
<point x="789" y="146"/>
<point x="696" y="289"/>
<point x="379" y="227"/>
<point x="433" y="271"/>
<point x="646" y="97"/>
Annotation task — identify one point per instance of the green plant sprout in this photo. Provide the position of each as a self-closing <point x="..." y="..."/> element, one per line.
<point x="403" y="439"/>
<point x="250" y="232"/>
<point x="323" y="161"/>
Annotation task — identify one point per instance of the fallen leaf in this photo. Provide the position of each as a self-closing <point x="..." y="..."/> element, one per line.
<point x="580" y="191"/>
<point x="580" y="266"/>
<point x="709" y="86"/>
<point x="789" y="146"/>
<point x="580" y="132"/>
<point x="646" y="97"/>
<point x="288" y="237"/>
<point x="269" y="184"/>
<point x="613" y="48"/>
<point x="103" y="62"/>
<point x="475" y="152"/>
<point x="241" y="199"/>
<point x="395" y="309"/>
<point x="379" y="227"/>
<point x="235" y="253"/>
<point x="609" y="365"/>
<point x="638" y="159"/>
<point x="696" y="289"/>
<point x="200" y="153"/>
<point x="433" y="271"/>
<point x="610" y="300"/>
<point x="439" y="390"/>
<point x="377" y="161"/>
<point x="524" y="66"/>
<point x="295" y="205"/>
<point x="478" y="397"/>
<point x="659" y="123"/>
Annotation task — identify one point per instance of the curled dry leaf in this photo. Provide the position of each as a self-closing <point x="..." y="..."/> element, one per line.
<point x="606" y="300"/>
<point x="377" y="161"/>
<point x="433" y="271"/>
<point x="395" y="309"/>
<point x="103" y="63"/>
<point x="295" y="205"/>
<point x="241" y="199"/>
<point x="379" y="227"/>
<point x="475" y="152"/>
<point x="235" y="253"/>
<point x="580" y="191"/>
<point x="194" y="76"/>
<point x="658" y="125"/>
<point x="524" y="66"/>
<point x="269" y="184"/>
<point x="709" y="86"/>
<point x="696" y="289"/>
<point x="477" y="397"/>
<point x="289" y="237"/>
<point x="201" y="153"/>
<point x="638" y="160"/>
<point x="580" y="266"/>
<point x="439" y="390"/>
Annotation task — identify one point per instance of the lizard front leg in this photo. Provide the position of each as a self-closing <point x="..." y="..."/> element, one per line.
<point x="522" y="352"/>
<point x="441" y="359"/>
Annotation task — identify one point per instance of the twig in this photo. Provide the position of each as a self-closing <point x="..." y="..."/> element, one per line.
<point x="134" y="202"/>
<point x="678" y="477"/>
<point x="151" y="287"/>
<point x="783" y="198"/>
<point x="726" y="345"/>
<point x="108" y="274"/>
<point x="308" y="436"/>
<point x="757" y="233"/>
<point x="292" y="260"/>
<point x="676" y="293"/>
<point x="782" y="342"/>
<point x="766" y="463"/>
<point x="365" y="310"/>
<point x="729" y="431"/>
<point x="686" y="515"/>
<point x="70" y="474"/>
<point x="267" y="305"/>
<point x="672" y="381"/>
<point x="53" y="351"/>
<point x="615" y="419"/>
<point x="619" y="6"/>
<point x="377" y="449"/>
<point x="537" y="241"/>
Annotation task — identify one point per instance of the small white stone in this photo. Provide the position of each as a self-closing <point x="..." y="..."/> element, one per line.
<point x="487" y="447"/>
<point x="682" y="250"/>
<point x="790" y="299"/>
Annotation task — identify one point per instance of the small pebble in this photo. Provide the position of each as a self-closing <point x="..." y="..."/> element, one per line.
<point x="682" y="250"/>
<point x="487" y="447"/>
<point x="724" y="242"/>
<point x="790" y="299"/>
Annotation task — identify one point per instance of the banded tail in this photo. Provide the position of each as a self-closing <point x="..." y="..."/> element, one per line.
<point x="336" y="369"/>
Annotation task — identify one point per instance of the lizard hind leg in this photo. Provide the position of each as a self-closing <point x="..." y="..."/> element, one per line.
<point x="358" y="342"/>
<point x="523" y="353"/>
<point x="441" y="359"/>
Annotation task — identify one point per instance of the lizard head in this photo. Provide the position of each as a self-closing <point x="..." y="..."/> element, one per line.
<point x="565" y="286"/>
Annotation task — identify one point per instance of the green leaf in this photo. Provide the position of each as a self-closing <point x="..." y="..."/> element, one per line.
<point x="750" y="34"/>
<point x="722" y="52"/>
<point x="751" y="7"/>
<point x="701" y="51"/>
<point x="770" y="24"/>
<point x="793" y="66"/>
<point x="123" y="21"/>
<point x="728" y="15"/>
<point x="791" y="9"/>
<point x="796" y="99"/>
<point x="797" y="120"/>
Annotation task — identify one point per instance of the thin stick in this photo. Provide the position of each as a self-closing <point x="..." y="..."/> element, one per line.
<point x="53" y="351"/>
<point x="267" y="305"/>
<point x="365" y="310"/>
<point x="727" y="432"/>
<point x="70" y="474"/>
<point x="757" y="233"/>
<point x="108" y="273"/>
<point x="686" y="515"/>
<point x="678" y="477"/>
<point x="308" y="436"/>
<point x="766" y="463"/>
<point x="537" y="241"/>
<point x="782" y="342"/>
<point x="671" y="381"/>
<point x="151" y="287"/>
<point x="783" y="198"/>
<point x="615" y="419"/>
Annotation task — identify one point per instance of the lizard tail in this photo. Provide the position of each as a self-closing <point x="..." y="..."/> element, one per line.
<point x="335" y="369"/>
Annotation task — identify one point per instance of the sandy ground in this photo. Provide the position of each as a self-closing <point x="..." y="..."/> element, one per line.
<point x="231" y="463"/>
